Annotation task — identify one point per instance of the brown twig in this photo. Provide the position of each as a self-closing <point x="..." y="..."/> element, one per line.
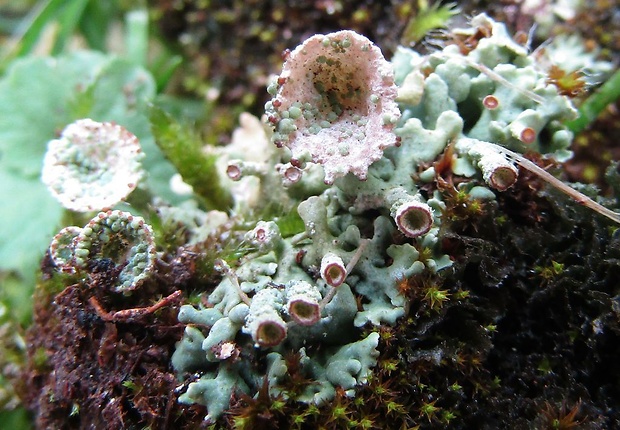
<point x="553" y="181"/>
<point x="127" y="315"/>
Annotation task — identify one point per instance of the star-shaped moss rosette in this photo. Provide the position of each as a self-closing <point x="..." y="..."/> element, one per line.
<point x="92" y="166"/>
<point x="334" y="104"/>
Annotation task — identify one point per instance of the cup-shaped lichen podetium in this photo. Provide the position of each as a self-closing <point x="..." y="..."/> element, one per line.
<point x="333" y="270"/>
<point x="334" y="104"/>
<point x="264" y="322"/>
<point x="413" y="218"/>
<point x="303" y="302"/>
<point x="122" y="239"/>
<point x="498" y="172"/>
<point x="62" y="248"/>
<point x="92" y="165"/>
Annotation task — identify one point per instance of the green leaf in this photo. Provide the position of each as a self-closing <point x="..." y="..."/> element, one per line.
<point x="28" y="220"/>
<point x="34" y="102"/>
<point x="92" y="18"/>
<point x="592" y="107"/>
<point x="163" y="69"/>
<point x="68" y="21"/>
<point x="31" y="28"/>
<point x="16" y="300"/>
<point x="290" y="224"/>
<point x="96" y="20"/>
<point x="17" y="419"/>
<point x="190" y="110"/>
<point x="137" y="36"/>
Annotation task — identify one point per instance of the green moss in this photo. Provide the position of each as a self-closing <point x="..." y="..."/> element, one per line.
<point x="184" y="148"/>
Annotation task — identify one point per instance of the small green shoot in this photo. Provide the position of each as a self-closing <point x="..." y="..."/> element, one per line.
<point x="591" y="108"/>
<point x="429" y="17"/>
<point x="184" y="148"/>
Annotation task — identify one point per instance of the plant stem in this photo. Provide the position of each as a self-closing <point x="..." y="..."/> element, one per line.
<point x="591" y="108"/>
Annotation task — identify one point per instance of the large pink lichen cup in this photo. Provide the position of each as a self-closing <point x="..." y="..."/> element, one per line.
<point x="334" y="104"/>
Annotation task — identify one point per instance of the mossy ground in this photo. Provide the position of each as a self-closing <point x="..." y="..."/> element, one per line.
<point x="523" y="331"/>
<point x="86" y="370"/>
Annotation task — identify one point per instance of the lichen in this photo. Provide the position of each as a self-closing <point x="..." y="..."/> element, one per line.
<point x="334" y="104"/>
<point x="466" y="112"/>
<point x="114" y="236"/>
<point x="92" y="166"/>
